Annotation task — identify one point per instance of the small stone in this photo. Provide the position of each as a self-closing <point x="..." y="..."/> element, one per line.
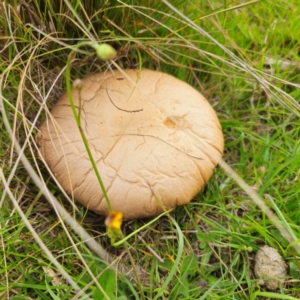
<point x="269" y="264"/>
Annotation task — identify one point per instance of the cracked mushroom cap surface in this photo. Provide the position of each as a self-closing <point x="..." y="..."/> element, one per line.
<point x="155" y="146"/>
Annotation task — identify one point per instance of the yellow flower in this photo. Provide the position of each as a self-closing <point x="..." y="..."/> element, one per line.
<point x="113" y="224"/>
<point x="114" y="220"/>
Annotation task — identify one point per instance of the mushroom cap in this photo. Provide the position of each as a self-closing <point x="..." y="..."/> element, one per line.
<point x="156" y="155"/>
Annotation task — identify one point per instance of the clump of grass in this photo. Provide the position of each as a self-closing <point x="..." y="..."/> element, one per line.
<point x="250" y="77"/>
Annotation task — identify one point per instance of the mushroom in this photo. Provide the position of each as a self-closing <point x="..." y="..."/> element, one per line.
<point x="155" y="144"/>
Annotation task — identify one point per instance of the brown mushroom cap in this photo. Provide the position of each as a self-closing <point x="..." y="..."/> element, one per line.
<point x="162" y="155"/>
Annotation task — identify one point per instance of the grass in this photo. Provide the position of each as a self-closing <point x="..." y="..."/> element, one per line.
<point x="248" y="68"/>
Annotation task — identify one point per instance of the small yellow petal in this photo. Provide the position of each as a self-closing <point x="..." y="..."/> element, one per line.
<point x="114" y="220"/>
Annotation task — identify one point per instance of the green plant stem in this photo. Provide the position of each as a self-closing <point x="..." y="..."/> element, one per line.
<point x="124" y="239"/>
<point x="77" y="116"/>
